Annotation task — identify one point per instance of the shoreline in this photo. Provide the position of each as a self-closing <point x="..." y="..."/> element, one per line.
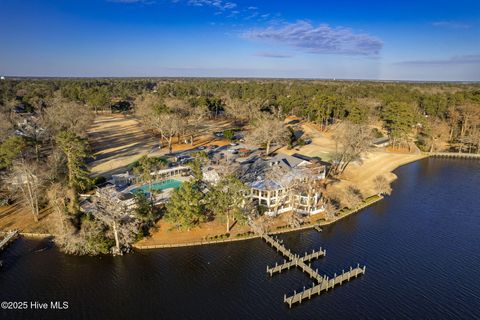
<point x="282" y="231"/>
<point x="30" y="234"/>
<point x="310" y="225"/>
<point x="410" y="159"/>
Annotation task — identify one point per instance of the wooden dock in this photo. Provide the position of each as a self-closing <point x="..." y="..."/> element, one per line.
<point x="455" y="155"/>
<point x="299" y="261"/>
<point x="324" y="286"/>
<point x="8" y="238"/>
<point x="318" y="228"/>
<point x="324" y="283"/>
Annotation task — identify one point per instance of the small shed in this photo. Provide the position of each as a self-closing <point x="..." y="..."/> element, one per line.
<point x="381" y="142"/>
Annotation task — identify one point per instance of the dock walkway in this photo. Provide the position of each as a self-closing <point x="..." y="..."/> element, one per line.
<point x="454" y="155"/>
<point x="8" y="238"/>
<point x="324" y="283"/>
<point x="324" y="286"/>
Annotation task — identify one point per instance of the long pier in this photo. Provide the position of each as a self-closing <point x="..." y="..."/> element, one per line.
<point x="8" y="238"/>
<point x="324" y="283"/>
<point x="455" y="155"/>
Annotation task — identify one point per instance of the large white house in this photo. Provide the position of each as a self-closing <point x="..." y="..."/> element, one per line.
<point x="285" y="183"/>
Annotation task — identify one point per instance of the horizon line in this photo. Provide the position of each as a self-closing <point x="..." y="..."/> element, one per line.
<point x="9" y="77"/>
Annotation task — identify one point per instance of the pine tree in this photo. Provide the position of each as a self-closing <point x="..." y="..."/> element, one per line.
<point x="185" y="208"/>
<point x="75" y="150"/>
<point x="225" y="200"/>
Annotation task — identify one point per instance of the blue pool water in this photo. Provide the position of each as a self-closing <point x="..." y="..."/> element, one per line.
<point x="159" y="186"/>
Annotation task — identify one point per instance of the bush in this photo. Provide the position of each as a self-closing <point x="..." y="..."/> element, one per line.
<point x="377" y="133"/>
<point x="99" y="180"/>
<point x="219" y="236"/>
<point x="244" y="234"/>
<point x="229" y="134"/>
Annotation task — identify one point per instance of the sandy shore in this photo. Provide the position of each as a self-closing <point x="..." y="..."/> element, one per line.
<point x="362" y="174"/>
<point x="18" y="217"/>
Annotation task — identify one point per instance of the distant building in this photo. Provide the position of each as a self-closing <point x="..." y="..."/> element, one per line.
<point x="381" y="142"/>
<point x="2" y="78"/>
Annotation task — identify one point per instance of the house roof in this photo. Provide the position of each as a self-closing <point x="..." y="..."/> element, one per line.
<point x="272" y="173"/>
<point x="303" y="157"/>
<point x="287" y="160"/>
<point x="381" y="140"/>
<point x="316" y="160"/>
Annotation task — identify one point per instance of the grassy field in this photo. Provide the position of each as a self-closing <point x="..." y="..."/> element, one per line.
<point x="19" y="217"/>
<point x="119" y="141"/>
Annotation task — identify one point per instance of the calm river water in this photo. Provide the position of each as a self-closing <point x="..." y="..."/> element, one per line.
<point x="421" y="248"/>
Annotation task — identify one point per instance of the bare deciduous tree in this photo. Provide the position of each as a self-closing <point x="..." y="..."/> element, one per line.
<point x="65" y="115"/>
<point x="382" y="186"/>
<point x="438" y="134"/>
<point x="58" y="198"/>
<point x="168" y="125"/>
<point x="26" y="178"/>
<point x="351" y="140"/>
<point x="113" y="212"/>
<point x="260" y="225"/>
<point x="242" y="110"/>
<point x="351" y="197"/>
<point x="268" y="130"/>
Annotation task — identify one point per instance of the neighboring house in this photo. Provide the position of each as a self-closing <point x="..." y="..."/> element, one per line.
<point x="381" y="142"/>
<point x="29" y="128"/>
<point x="285" y="183"/>
<point x="122" y="180"/>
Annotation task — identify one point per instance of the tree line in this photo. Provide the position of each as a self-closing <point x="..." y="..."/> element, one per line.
<point x="44" y="148"/>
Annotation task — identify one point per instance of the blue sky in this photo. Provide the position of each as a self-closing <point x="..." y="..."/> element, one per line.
<point x="403" y="40"/>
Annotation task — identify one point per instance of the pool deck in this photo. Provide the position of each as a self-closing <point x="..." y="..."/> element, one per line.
<point x="178" y="179"/>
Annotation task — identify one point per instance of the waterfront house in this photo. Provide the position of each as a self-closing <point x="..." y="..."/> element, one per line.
<point x="285" y="183"/>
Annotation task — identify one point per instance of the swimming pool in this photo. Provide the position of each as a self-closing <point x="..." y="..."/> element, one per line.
<point x="159" y="186"/>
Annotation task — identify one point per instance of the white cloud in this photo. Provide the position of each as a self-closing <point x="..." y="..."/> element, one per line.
<point x="272" y="55"/>
<point x="320" y="40"/>
<point x="451" y="24"/>
<point x="464" y="59"/>
<point x="218" y="4"/>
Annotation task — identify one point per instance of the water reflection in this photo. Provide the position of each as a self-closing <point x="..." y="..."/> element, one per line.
<point x="419" y="245"/>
